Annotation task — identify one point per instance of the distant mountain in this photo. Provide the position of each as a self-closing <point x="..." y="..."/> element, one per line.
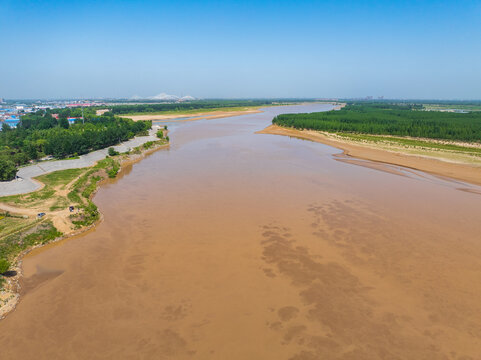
<point x="164" y="97"/>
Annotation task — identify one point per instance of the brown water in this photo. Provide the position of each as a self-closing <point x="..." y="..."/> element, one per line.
<point x="235" y="245"/>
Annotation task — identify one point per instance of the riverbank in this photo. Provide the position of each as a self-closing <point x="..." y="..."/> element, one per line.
<point x="459" y="165"/>
<point x="65" y="200"/>
<point x="193" y="115"/>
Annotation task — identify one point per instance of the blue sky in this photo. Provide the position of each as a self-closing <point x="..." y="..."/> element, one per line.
<point x="399" y="49"/>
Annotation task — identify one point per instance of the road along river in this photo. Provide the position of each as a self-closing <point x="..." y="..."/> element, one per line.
<point x="236" y="245"/>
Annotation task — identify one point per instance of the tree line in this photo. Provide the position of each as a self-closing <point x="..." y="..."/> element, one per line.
<point x="390" y="119"/>
<point x="40" y="134"/>
<point x="191" y="105"/>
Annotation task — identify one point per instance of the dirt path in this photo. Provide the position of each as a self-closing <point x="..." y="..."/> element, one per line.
<point x="18" y="210"/>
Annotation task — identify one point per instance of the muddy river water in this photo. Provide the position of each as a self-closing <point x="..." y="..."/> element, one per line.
<point x="233" y="245"/>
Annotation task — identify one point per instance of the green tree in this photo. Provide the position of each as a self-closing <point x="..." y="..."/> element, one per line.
<point x="63" y="122"/>
<point x="31" y="151"/>
<point x="4" y="266"/>
<point x="8" y="170"/>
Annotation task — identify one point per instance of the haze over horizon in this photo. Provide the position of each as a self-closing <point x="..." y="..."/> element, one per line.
<point x="262" y="49"/>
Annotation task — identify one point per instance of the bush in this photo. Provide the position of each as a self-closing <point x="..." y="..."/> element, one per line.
<point x="148" y="145"/>
<point x="160" y="134"/>
<point x="8" y="170"/>
<point x="4" y="266"/>
<point x="114" y="170"/>
<point x="112" y="151"/>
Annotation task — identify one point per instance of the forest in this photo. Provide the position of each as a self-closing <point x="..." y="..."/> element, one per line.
<point x="40" y="134"/>
<point x="390" y="119"/>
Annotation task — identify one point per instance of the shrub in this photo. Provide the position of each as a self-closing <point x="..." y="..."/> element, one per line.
<point x="160" y="134"/>
<point x="112" y="151"/>
<point x="114" y="170"/>
<point x="8" y="170"/>
<point x="4" y="266"/>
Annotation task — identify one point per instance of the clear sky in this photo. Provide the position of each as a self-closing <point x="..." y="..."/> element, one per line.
<point x="121" y="48"/>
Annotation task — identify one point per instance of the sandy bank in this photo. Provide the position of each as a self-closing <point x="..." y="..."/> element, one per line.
<point x="203" y="115"/>
<point x="458" y="169"/>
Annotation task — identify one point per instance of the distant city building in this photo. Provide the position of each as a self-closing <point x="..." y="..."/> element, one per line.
<point x="12" y="122"/>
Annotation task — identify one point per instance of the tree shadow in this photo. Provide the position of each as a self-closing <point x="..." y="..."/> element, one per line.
<point x="9" y="273"/>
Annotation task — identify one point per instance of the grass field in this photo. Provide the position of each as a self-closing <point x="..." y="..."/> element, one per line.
<point x="438" y="107"/>
<point x="10" y="224"/>
<point x="53" y="182"/>
<point x="62" y="177"/>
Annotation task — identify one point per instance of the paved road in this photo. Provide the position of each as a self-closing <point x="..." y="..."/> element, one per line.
<point x="25" y="184"/>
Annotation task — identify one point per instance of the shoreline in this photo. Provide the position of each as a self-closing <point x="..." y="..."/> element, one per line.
<point x="12" y="294"/>
<point x="437" y="166"/>
<point x="192" y="116"/>
<point x="217" y="114"/>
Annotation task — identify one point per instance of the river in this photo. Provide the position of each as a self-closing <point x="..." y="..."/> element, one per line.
<point x="235" y="245"/>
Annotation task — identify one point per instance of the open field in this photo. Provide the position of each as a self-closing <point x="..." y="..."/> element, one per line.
<point x="443" y="107"/>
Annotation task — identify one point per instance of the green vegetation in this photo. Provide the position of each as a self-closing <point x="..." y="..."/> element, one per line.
<point x="160" y="134"/>
<point x="40" y="233"/>
<point x="390" y="119"/>
<point x="18" y="233"/>
<point x="52" y="180"/>
<point x="4" y="266"/>
<point x="82" y="190"/>
<point x="61" y="177"/>
<point x="112" y="151"/>
<point x="455" y="106"/>
<point x="186" y="107"/>
<point x="10" y="223"/>
<point x="8" y="170"/>
<point x="40" y="134"/>
<point x="412" y="143"/>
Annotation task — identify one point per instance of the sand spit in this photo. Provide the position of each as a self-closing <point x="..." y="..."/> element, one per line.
<point x="444" y="167"/>
<point x="197" y="116"/>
